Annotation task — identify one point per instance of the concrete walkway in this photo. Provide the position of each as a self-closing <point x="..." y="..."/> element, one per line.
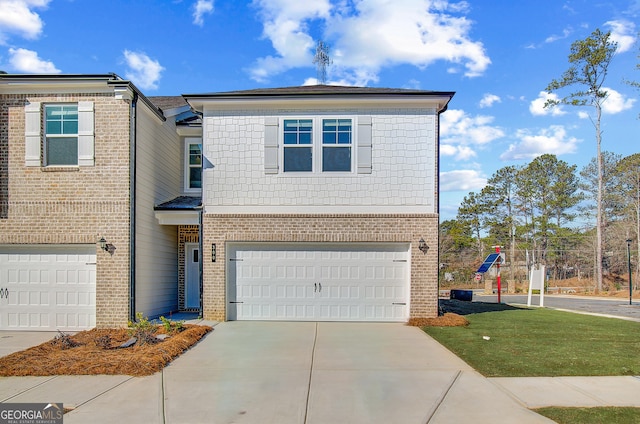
<point x="305" y="372"/>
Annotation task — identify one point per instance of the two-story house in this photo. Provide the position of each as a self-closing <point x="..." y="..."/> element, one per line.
<point x="320" y="203"/>
<point x="301" y="203"/>
<point x="83" y="161"/>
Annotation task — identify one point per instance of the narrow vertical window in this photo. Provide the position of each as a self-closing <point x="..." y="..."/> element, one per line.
<point x="336" y="145"/>
<point x="194" y="165"/>
<point x="61" y="135"/>
<point x="298" y="145"/>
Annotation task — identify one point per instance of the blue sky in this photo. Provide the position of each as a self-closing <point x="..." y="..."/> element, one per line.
<point x="497" y="55"/>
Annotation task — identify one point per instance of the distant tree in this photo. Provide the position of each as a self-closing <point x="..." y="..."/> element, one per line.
<point x="500" y="192"/>
<point x="472" y="214"/>
<point x="589" y="59"/>
<point x="551" y="188"/>
<point x="628" y="170"/>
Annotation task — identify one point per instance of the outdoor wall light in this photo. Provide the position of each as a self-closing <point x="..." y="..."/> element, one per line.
<point x="422" y="245"/>
<point x="107" y="247"/>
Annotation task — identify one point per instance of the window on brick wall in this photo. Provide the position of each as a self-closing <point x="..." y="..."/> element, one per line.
<point x="59" y="134"/>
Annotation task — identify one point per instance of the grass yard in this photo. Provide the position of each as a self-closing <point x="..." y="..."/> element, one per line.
<point x="591" y="415"/>
<point x="543" y="342"/>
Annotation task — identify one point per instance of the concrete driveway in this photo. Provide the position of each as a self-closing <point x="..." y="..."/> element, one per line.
<point x="285" y="372"/>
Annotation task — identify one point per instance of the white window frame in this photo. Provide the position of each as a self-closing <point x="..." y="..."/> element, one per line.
<point x="47" y="136"/>
<point x="188" y="141"/>
<point x="317" y="146"/>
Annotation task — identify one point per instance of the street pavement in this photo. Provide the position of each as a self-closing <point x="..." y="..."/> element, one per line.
<point x="606" y="306"/>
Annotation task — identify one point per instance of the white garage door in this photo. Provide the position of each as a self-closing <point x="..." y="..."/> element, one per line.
<point x="359" y="282"/>
<point x="47" y="287"/>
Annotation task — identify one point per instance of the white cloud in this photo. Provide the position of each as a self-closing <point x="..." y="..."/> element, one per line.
<point x="565" y="33"/>
<point x="23" y="60"/>
<point x="624" y="33"/>
<point x="583" y="115"/>
<point x="369" y="35"/>
<point x="461" y="131"/>
<point x="459" y="152"/>
<point x="462" y="180"/>
<point x="201" y="8"/>
<point x="143" y="71"/>
<point x="17" y="17"/>
<point x="616" y="102"/>
<point x="285" y="24"/>
<point x="553" y="140"/>
<point x="488" y="100"/>
<point x="536" y="107"/>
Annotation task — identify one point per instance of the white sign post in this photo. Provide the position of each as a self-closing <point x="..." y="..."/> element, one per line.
<point x="536" y="282"/>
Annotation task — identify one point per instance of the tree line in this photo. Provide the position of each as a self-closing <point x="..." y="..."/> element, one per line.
<point x="536" y="211"/>
<point x="533" y="209"/>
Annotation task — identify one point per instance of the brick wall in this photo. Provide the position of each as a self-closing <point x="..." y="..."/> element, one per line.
<point x="72" y="205"/>
<point x="221" y="229"/>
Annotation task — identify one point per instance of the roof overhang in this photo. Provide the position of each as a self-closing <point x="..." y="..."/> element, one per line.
<point x="74" y="83"/>
<point x="183" y="210"/>
<point x="324" y="96"/>
<point x="178" y="217"/>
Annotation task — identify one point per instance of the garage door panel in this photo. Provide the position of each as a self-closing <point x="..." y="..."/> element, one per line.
<point x="50" y="287"/>
<point x="319" y="282"/>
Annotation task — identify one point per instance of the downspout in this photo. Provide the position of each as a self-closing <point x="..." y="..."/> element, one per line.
<point x="444" y="109"/>
<point x="201" y="264"/>
<point x="133" y="124"/>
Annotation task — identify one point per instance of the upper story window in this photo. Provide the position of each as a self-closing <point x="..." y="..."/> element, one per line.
<point x="61" y="135"/>
<point x="336" y="145"/>
<point x="317" y="144"/>
<point x="193" y="164"/>
<point x="298" y="145"/>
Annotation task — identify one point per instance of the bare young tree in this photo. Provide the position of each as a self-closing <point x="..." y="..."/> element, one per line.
<point x="589" y="59"/>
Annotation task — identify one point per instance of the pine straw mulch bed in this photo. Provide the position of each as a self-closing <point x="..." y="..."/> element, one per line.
<point x="449" y="319"/>
<point x="97" y="351"/>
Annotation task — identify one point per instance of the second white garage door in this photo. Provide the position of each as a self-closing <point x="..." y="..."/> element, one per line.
<point x="336" y="282"/>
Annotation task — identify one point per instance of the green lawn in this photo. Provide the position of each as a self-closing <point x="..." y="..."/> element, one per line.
<point x="591" y="415"/>
<point x="544" y="342"/>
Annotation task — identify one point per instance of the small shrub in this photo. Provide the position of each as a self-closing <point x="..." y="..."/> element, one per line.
<point x="143" y="330"/>
<point x="171" y="327"/>
<point x="64" y="341"/>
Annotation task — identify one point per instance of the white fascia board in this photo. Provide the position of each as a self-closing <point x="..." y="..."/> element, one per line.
<point x="178" y="217"/>
<point x="356" y="102"/>
<point x="54" y="87"/>
<point x="189" y="131"/>
<point x="317" y="210"/>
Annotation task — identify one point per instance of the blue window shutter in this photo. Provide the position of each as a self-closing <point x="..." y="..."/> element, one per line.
<point x="270" y="145"/>
<point x="364" y="145"/>
<point x="86" y="134"/>
<point x="32" y="134"/>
